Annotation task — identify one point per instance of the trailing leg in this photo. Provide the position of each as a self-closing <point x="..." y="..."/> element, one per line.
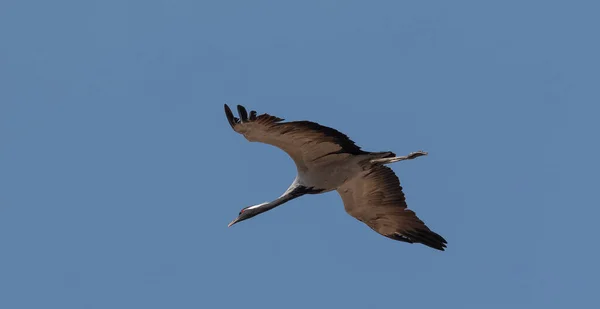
<point x="410" y="156"/>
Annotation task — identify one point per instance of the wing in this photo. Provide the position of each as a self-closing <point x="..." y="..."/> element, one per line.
<point x="304" y="141"/>
<point x="376" y="199"/>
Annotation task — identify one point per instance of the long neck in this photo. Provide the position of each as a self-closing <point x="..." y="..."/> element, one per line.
<point x="290" y="194"/>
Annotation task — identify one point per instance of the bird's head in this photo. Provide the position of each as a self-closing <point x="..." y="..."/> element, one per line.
<point x="248" y="212"/>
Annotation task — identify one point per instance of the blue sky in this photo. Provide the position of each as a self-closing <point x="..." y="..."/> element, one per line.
<point x="119" y="172"/>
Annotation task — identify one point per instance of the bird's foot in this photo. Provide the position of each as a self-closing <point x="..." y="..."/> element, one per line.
<point x="416" y="154"/>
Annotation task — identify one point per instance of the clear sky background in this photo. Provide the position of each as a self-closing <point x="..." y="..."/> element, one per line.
<point x="119" y="172"/>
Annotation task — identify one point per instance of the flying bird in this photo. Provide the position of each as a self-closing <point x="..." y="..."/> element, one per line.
<point x="328" y="160"/>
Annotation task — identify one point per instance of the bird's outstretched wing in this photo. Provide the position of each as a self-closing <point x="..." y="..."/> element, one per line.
<point x="375" y="197"/>
<point x="304" y="141"/>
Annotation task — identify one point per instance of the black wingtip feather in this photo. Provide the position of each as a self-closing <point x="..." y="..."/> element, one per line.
<point x="243" y="113"/>
<point x="230" y="117"/>
<point x="428" y="238"/>
<point x="252" y="115"/>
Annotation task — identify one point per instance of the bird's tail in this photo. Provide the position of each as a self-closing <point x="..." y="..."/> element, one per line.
<point x="382" y="154"/>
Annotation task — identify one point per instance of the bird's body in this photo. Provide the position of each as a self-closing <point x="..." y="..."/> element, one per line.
<point x="333" y="171"/>
<point x="328" y="160"/>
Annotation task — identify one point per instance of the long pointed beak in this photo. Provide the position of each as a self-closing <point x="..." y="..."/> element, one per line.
<point x="232" y="222"/>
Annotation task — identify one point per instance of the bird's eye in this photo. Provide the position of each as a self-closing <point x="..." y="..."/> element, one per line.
<point x="241" y="211"/>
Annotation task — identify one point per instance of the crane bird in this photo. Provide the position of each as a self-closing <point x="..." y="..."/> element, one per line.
<point x="328" y="160"/>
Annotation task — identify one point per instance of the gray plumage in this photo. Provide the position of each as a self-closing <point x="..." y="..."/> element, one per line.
<point x="328" y="160"/>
